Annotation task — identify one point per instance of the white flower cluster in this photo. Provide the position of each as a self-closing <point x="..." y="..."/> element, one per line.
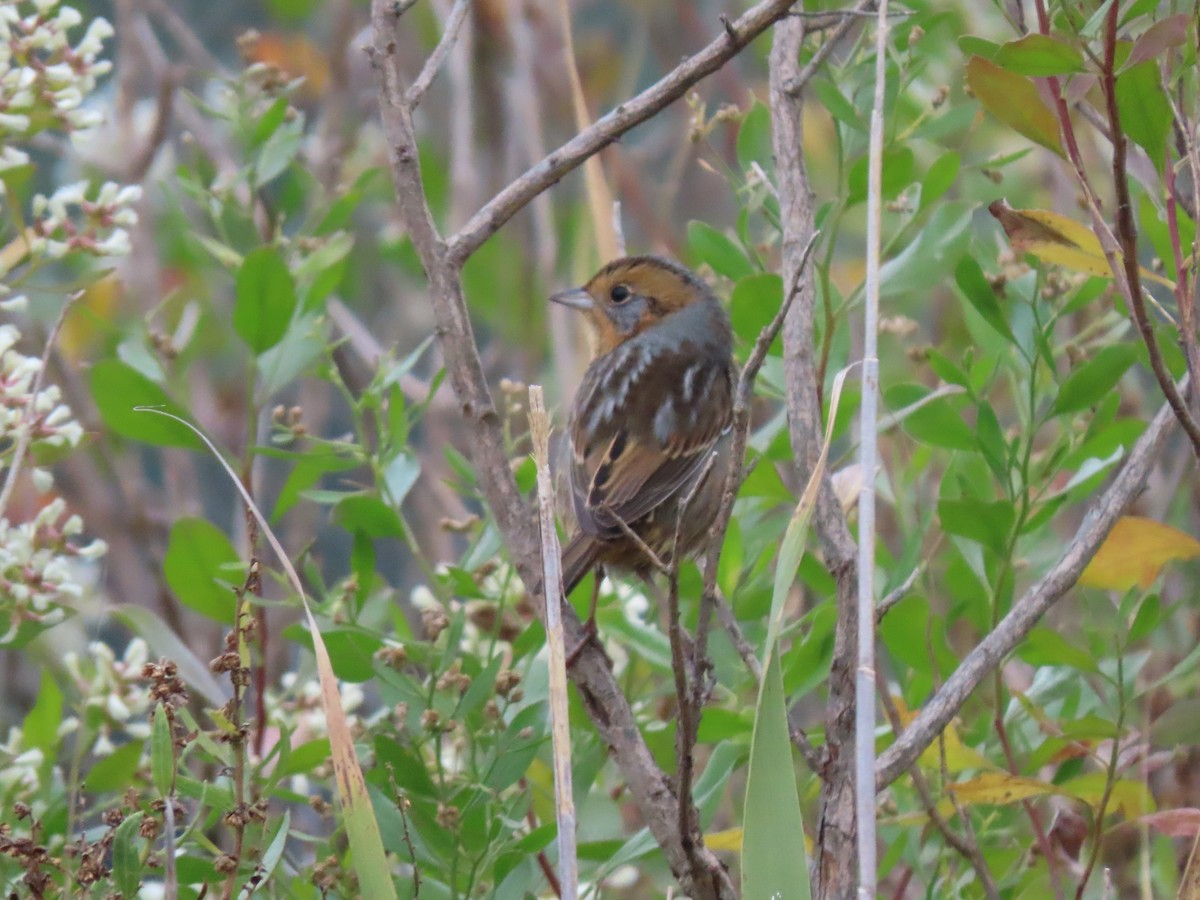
<point x="68" y="220"/>
<point x="36" y="569"/>
<point x="48" y="419"/>
<point x="20" y="766"/>
<point x="117" y="696"/>
<point x="43" y="79"/>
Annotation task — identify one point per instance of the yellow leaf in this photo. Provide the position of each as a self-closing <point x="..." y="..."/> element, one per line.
<point x="1015" y="101"/>
<point x="87" y="319"/>
<point x="1058" y="240"/>
<point x="999" y="788"/>
<point x="1135" y="552"/>
<point x="958" y="755"/>
<point x="729" y="839"/>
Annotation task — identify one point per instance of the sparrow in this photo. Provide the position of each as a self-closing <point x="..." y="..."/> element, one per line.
<point x="651" y="424"/>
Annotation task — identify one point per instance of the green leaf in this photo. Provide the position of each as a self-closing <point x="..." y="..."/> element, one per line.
<point x="308" y="471"/>
<point x="305" y="758"/>
<point x="773" y="859"/>
<point x="269" y="122"/>
<point x="162" y="753"/>
<point x="515" y="752"/>
<point x="1088" y="384"/>
<point x="114" y="772"/>
<point x="939" y="178"/>
<point x="1039" y="55"/>
<point x="1144" y="110"/>
<point x="898" y="164"/>
<point x="1046" y="647"/>
<point x="126" y="860"/>
<point x="835" y="103"/>
<point x="278" y="151"/>
<point x="266" y="299"/>
<point x="989" y="524"/>
<point x="925" y="263"/>
<point x="370" y="515"/>
<point x="399" y="476"/>
<point x="754" y="139"/>
<point x="1014" y="100"/>
<point x="40" y="728"/>
<point x="753" y="304"/>
<point x="970" y="45"/>
<point x="351" y="650"/>
<point x="980" y="294"/>
<point x="937" y="423"/>
<point x="118" y="389"/>
<point x="722" y="254"/>
<point x="274" y="851"/>
<point x="197" y="554"/>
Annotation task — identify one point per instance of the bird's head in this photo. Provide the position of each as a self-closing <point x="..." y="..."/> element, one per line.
<point x="632" y="294"/>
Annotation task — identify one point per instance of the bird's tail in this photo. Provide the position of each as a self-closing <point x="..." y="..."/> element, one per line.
<point x="579" y="557"/>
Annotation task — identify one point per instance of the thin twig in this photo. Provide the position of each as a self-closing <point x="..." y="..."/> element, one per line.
<point x="734" y="37"/>
<point x="437" y="58"/>
<point x="689" y="702"/>
<point x="897" y="594"/>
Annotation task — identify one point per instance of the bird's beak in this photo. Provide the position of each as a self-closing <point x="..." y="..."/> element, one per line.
<point x="576" y="298"/>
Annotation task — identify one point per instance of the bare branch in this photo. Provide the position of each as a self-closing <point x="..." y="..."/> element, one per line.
<point x="437" y="58"/>
<point x="835" y="857"/>
<point x="1025" y="613"/>
<point x="897" y="594"/>
<point x="735" y="36"/>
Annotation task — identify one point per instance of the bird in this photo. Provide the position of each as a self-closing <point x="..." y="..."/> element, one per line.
<point x="651" y="423"/>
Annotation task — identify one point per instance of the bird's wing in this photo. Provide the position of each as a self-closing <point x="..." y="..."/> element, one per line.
<point x="644" y="424"/>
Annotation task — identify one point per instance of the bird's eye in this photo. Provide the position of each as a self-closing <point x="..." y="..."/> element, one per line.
<point x="620" y="293"/>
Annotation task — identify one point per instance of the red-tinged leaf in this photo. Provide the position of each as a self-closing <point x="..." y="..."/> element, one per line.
<point x="1015" y="101"/>
<point x="1176" y="823"/>
<point x="1134" y="553"/>
<point x="1159" y="37"/>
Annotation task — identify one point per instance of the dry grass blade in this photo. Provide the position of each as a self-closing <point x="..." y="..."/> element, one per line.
<point x="568" y="869"/>
<point x="600" y="199"/>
